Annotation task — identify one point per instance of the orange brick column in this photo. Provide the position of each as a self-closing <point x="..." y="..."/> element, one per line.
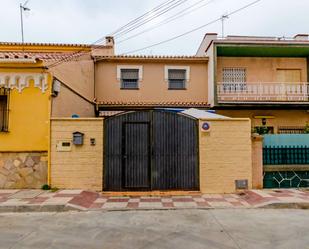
<point x="257" y="161"/>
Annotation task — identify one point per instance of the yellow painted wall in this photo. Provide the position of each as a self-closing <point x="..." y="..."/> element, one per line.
<point x="29" y="113"/>
<point x="225" y="155"/>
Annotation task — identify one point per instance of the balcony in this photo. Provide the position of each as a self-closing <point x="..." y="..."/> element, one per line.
<point x="263" y="93"/>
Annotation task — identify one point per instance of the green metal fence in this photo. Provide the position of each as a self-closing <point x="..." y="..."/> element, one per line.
<point x="285" y="155"/>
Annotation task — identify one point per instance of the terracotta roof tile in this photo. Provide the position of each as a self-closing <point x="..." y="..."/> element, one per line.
<point x="43" y="44"/>
<point x="34" y="55"/>
<point x="152" y="57"/>
<point x="153" y="104"/>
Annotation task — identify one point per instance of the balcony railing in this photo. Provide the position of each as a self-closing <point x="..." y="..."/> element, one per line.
<point x="262" y="92"/>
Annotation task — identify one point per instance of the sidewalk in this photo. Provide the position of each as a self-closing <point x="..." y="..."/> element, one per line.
<point x="63" y="200"/>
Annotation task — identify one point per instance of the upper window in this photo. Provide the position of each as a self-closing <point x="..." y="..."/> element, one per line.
<point x="4" y="94"/>
<point x="234" y="75"/>
<point x="129" y="78"/>
<point x="177" y="79"/>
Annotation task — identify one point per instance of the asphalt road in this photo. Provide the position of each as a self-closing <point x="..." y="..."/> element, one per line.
<point x="181" y="229"/>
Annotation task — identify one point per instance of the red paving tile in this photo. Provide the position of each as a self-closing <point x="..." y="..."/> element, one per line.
<point x="281" y="195"/>
<point x="65" y="195"/>
<point x="96" y="205"/>
<point x="151" y="200"/>
<point x="118" y="200"/>
<point x="85" y="199"/>
<point x="215" y="199"/>
<point x="168" y="204"/>
<point x="132" y="205"/>
<point x="183" y="199"/>
<point x="203" y="204"/>
<point x="37" y="200"/>
<point x="236" y="203"/>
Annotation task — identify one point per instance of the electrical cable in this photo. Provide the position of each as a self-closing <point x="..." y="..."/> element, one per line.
<point x="192" y="30"/>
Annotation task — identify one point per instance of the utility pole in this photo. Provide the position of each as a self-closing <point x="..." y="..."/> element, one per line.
<point x="223" y="18"/>
<point x="22" y="8"/>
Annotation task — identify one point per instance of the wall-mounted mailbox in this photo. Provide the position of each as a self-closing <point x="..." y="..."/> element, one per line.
<point x="64" y="146"/>
<point x="78" y="138"/>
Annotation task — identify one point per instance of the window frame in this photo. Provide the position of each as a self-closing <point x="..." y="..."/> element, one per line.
<point x="134" y="67"/>
<point x="186" y="80"/>
<point x="6" y="93"/>
<point x="234" y="85"/>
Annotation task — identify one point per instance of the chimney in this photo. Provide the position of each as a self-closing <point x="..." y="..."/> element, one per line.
<point x="104" y="50"/>
<point x="109" y="41"/>
<point x="208" y="38"/>
<point x="301" y="37"/>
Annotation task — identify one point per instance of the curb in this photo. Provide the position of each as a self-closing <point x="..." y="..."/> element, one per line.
<point x="71" y="207"/>
<point x="286" y="205"/>
<point x="37" y="208"/>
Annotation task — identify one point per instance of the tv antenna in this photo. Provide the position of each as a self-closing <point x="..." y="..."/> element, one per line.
<point x="23" y="8"/>
<point x="223" y="18"/>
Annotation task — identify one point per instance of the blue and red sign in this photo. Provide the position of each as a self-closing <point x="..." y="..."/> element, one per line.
<point x="205" y="126"/>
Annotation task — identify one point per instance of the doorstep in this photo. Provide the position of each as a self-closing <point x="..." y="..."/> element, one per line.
<point x="152" y="193"/>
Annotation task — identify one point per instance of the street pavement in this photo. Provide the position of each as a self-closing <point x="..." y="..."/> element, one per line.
<point x="164" y="229"/>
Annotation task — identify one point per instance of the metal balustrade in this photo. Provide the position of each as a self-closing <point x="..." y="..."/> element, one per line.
<point x="285" y="155"/>
<point x="263" y="92"/>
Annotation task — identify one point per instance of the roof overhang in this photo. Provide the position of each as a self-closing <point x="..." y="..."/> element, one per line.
<point x="153" y="59"/>
<point x="265" y="50"/>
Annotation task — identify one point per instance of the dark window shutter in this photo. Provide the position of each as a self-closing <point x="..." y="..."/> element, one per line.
<point x="177" y="78"/>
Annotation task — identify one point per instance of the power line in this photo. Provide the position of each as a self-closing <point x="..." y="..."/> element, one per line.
<point x="178" y="15"/>
<point x="164" y="5"/>
<point x="142" y="16"/>
<point x="150" y="18"/>
<point x="77" y="54"/>
<point x="193" y="30"/>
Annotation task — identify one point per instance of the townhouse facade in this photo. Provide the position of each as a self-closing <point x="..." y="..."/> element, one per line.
<point x="263" y="78"/>
<point x="128" y="123"/>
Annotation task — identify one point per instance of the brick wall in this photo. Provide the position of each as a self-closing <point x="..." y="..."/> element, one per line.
<point x="82" y="167"/>
<point x="225" y="155"/>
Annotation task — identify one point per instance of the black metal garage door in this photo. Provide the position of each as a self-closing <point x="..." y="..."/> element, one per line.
<point x="150" y="150"/>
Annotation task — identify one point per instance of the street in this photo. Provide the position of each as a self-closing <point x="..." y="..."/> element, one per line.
<point x="190" y="228"/>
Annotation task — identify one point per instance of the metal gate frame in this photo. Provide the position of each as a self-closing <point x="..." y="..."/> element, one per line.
<point x="151" y="158"/>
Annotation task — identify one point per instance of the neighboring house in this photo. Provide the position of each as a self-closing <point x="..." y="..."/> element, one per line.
<point x="125" y="83"/>
<point x="25" y="87"/>
<point x="35" y="86"/>
<point x="263" y="78"/>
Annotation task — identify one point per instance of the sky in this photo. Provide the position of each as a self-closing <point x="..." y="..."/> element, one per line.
<point x="86" y="21"/>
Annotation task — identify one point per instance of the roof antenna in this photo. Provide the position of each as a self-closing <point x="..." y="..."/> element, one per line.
<point x="223" y="18"/>
<point x="23" y="8"/>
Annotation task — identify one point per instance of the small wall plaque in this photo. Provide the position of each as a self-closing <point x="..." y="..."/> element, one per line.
<point x="205" y="127"/>
<point x="64" y="146"/>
